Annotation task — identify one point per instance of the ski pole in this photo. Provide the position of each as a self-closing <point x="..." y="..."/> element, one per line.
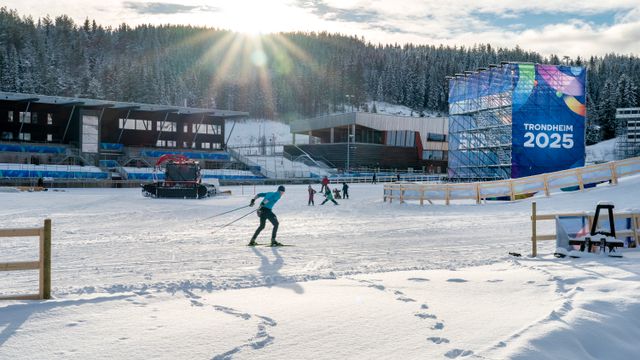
<point x="240" y="218"/>
<point x="226" y="212"/>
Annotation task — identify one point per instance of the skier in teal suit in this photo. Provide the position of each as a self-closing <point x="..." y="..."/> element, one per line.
<point x="265" y="213"/>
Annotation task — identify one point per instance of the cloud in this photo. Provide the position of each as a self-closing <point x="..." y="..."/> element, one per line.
<point x="590" y="27"/>
<point x="332" y="13"/>
<point x="164" y="8"/>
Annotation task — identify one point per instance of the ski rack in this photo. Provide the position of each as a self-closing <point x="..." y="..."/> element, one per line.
<point x="513" y="188"/>
<point x="43" y="264"/>
<point x="634" y="232"/>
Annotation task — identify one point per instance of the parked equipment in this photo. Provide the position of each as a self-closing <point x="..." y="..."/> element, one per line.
<point x="182" y="180"/>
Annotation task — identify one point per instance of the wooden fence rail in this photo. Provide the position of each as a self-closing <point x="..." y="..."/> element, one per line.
<point x="513" y="188"/>
<point x="43" y="264"/>
<point x="634" y="232"/>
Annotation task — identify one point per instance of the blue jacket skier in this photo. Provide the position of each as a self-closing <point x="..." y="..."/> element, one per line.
<point x="265" y="213"/>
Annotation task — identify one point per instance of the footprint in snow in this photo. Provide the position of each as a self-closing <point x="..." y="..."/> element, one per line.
<point x="452" y="354"/>
<point x="438" y="340"/>
<point x="405" y="299"/>
<point x="418" y="279"/>
<point x="426" y="316"/>
<point x="457" y="280"/>
<point x="438" y="326"/>
<point x="495" y="280"/>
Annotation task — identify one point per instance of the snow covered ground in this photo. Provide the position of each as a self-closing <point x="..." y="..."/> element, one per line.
<point x="135" y="277"/>
<point x="601" y="152"/>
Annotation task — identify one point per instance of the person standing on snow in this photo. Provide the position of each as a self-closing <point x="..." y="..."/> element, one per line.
<point x="329" y="196"/>
<point x="325" y="184"/>
<point x="345" y="190"/>
<point x="311" y="192"/>
<point x="374" y="180"/>
<point x="265" y="213"/>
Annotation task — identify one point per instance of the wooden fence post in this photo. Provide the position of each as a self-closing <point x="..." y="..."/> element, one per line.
<point x="534" y="240"/>
<point x="45" y="260"/>
<point x="513" y="195"/>
<point x="614" y="176"/>
<point x="401" y="195"/>
<point x="447" y="195"/>
<point x="580" y="182"/>
<point x="477" y="193"/>
<point x="635" y="221"/>
<point x="546" y="185"/>
<point x="421" y="195"/>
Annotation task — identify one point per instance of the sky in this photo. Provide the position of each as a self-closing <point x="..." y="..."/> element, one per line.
<point x="565" y="28"/>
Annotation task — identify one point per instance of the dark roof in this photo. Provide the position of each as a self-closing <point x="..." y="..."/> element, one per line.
<point x="83" y="102"/>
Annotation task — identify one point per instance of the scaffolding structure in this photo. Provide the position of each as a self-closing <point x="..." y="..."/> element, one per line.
<point x="482" y="106"/>
<point x="627" y="133"/>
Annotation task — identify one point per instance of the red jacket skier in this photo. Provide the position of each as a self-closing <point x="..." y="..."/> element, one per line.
<point x="325" y="184"/>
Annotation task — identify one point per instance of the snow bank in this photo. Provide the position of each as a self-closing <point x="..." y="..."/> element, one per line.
<point x="603" y="151"/>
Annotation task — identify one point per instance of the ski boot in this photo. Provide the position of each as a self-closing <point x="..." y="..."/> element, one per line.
<point x="252" y="243"/>
<point x="275" y="243"/>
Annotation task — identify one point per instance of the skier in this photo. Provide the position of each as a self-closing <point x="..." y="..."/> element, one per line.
<point x="311" y="192"/>
<point x="336" y="193"/>
<point x="345" y="190"/>
<point x="265" y="213"/>
<point x="325" y="184"/>
<point x="398" y="177"/>
<point x="328" y="196"/>
<point x="374" y="181"/>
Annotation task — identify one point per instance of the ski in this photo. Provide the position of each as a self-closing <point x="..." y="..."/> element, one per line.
<point x="269" y="245"/>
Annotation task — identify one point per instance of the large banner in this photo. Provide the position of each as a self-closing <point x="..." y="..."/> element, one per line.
<point x="548" y="122"/>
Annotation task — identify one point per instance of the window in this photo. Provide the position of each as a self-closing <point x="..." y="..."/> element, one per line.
<point x="49" y="137"/>
<point x="168" y="126"/>
<point x="171" y="143"/>
<point x="436" y="137"/>
<point x="206" y="129"/>
<point x="205" y="145"/>
<point x="25" y="117"/>
<point x="216" y="146"/>
<point x="185" y="129"/>
<point x="49" y="119"/>
<point x="143" y="124"/>
<point x="25" y="136"/>
<point x="134" y="124"/>
<point x="126" y="124"/>
<point x="432" y="155"/>
<point x="10" y="117"/>
<point x="161" y="143"/>
<point x="7" y="135"/>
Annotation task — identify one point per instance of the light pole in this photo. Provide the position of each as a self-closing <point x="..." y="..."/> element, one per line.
<point x="349" y="136"/>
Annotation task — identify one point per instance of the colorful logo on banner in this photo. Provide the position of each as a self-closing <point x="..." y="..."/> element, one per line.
<point x="548" y="123"/>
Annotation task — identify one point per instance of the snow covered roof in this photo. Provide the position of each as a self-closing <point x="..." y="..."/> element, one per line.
<point x="83" y="102"/>
<point x="374" y="121"/>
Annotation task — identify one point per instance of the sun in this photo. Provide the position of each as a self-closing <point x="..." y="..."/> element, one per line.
<point x="260" y="17"/>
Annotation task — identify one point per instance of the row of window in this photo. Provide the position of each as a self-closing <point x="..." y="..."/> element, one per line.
<point x="8" y="135"/>
<point x="169" y="126"/>
<point x="401" y="138"/>
<point x="204" y="145"/>
<point x="627" y="112"/>
<point x="433" y="155"/>
<point x="28" y="117"/>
